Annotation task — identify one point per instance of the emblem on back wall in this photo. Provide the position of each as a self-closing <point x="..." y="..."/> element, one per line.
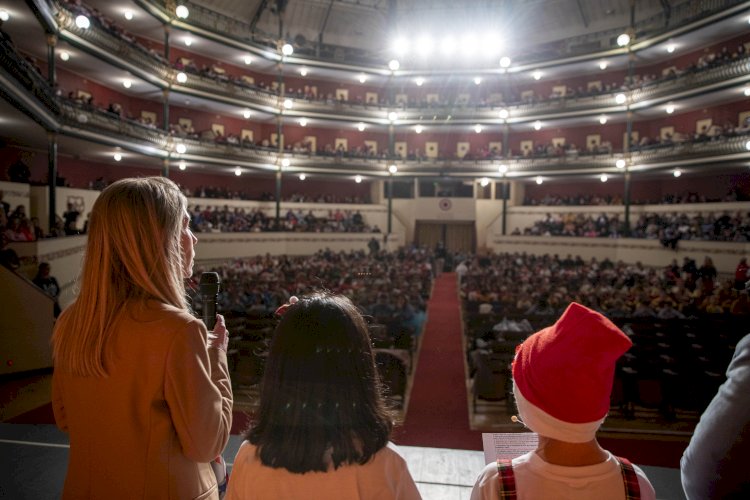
<point x="445" y="204"/>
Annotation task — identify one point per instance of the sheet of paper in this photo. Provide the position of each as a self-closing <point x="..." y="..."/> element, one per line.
<point x="507" y="445"/>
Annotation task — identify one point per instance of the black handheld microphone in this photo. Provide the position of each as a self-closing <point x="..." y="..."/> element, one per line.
<point x="209" y="287"/>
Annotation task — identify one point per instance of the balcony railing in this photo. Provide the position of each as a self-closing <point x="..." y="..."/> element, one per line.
<point x="153" y="67"/>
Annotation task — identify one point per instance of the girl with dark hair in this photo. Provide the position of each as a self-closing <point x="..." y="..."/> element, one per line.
<point x="322" y="428"/>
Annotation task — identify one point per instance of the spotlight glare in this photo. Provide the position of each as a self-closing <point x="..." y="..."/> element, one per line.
<point x="64" y="56"/>
<point x="448" y="45"/>
<point x="620" y="98"/>
<point x="128" y="14"/>
<point x="424" y="45"/>
<point x="181" y="148"/>
<point x="362" y="78"/>
<point x="677" y="172"/>
<point x="504" y="62"/>
<point x="670" y="48"/>
<point x="182" y="12"/>
<point x="393" y="65"/>
<point x="537" y="75"/>
<point x="182" y="165"/>
<point x="127" y="83"/>
<point x="623" y="40"/>
<point x="669" y="109"/>
<point x="504" y="114"/>
<point x="478" y="128"/>
<point x="620" y="163"/>
<point x="401" y="46"/>
<point x="303" y="122"/>
<point x="181" y="77"/>
<point x="287" y="49"/>
<point x="393" y="116"/>
<point x="117" y="157"/>
<point x="248" y="60"/>
<point x="484" y="181"/>
<point x="303" y="71"/>
<point x="188" y="41"/>
<point x="288" y="103"/>
<point x="237" y="171"/>
<point x="358" y="179"/>
<point x="285" y="162"/>
<point x="4" y="15"/>
<point x="603" y="120"/>
<point x="503" y="169"/>
<point x="246" y="113"/>
<point x="603" y="65"/>
<point x="746" y="92"/>
<point x="604" y="177"/>
<point x="537" y="125"/>
<point x="393" y="169"/>
<point x="477" y="80"/>
<point x="83" y="22"/>
<point x="418" y="129"/>
<point x="419" y="81"/>
<point x="539" y="180"/>
<point x="361" y="127"/>
<point x="747" y="145"/>
<point x="302" y="177"/>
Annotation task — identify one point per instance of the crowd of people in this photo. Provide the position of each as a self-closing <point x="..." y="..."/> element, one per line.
<point x="669" y="228"/>
<point x="391" y="287"/>
<point x="523" y="284"/>
<point x="240" y="220"/>
<point x="584" y="199"/>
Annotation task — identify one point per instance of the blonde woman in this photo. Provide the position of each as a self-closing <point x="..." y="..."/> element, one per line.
<point x="139" y="384"/>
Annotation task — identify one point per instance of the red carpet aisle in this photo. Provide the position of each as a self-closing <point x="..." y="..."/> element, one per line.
<point x="438" y="414"/>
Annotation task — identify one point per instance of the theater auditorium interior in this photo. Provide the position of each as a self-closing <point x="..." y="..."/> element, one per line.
<point x="461" y="170"/>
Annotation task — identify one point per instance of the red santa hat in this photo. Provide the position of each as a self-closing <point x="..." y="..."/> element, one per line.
<point x="563" y="374"/>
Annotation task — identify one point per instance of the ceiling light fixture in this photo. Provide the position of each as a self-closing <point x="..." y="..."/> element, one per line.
<point x="670" y="48"/>
<point x="677" y="172"/>
<point x="246" y="113"/>
<point x="83" y="22"/>
<point x="603" y="65"/>
<point x="477" y="80"/>
<point x="620" y="98"/>
<point x="504" y="114"/>
<point x="181" y="77"/>
<point x="393" y="116"/>
<point x="603" y="120"/>
<point x="302" y="177"/>
<point x="669" y="109"/>
<point x="181" y="149"/>
<point x="537" y="125"/>
<point x="237" y="171"/>
<point x="478" y="128"/>
<point x="503" y="169"/>
<point x="393" y="65"/>
<point x="393" y="169"/>
<point x="623" y="40"/>
<point x="285" y="162"/>
<point x="620" y="163"/>
<point x="248" y="60"/>
<point x="361" y="127"/>
<point x="64" y="56"/>
<point x="182" y="12"/>
<point x="117" y="157"/>
<point x="539" y="180"/>
<point x="303" y="122"/>
<point x="484" y="182"/>
<point x="303" y="71"/>
<point x="128" y="14"/>
<point x="418" y="129"/>
<point x="4" y="15"/>
<point x="127" y="83"/>
<point x="537" y="75"/>
<point x="287" y="49"/>
<point x="604" y="177"/>
<point x="505" y="62"/>
<point x="288" y="104"/>
<point x="182" y="165"/>
<point x="357" y="179"/>
<point x="419" y="81"/>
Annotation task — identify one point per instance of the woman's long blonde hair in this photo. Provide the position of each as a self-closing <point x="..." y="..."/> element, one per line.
<point x="133" y="253"/>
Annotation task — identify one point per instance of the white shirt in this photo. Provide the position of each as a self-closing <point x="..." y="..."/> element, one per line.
<point x="537" y="479"/>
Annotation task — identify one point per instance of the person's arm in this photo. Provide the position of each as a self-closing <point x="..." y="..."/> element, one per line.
<point x="58" y="407"/>
<point x="198" y="391"/>
<point x="719" y="428"/>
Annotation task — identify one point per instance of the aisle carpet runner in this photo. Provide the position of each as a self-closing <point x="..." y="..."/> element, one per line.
<point x="438" y="413"/>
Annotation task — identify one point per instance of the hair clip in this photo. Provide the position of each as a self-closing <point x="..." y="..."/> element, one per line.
<point x="282" y="308"/>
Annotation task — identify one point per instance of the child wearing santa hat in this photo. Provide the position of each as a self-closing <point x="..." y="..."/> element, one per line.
<point x="562" y="381"/>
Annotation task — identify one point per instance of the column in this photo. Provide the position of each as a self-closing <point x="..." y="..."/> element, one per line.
<point x="52" y="178"/>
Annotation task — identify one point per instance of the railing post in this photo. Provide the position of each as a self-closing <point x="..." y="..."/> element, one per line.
<point x="52" y="179"/>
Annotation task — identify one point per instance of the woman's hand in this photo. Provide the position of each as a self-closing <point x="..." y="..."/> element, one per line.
<point x="219" y="336"/>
